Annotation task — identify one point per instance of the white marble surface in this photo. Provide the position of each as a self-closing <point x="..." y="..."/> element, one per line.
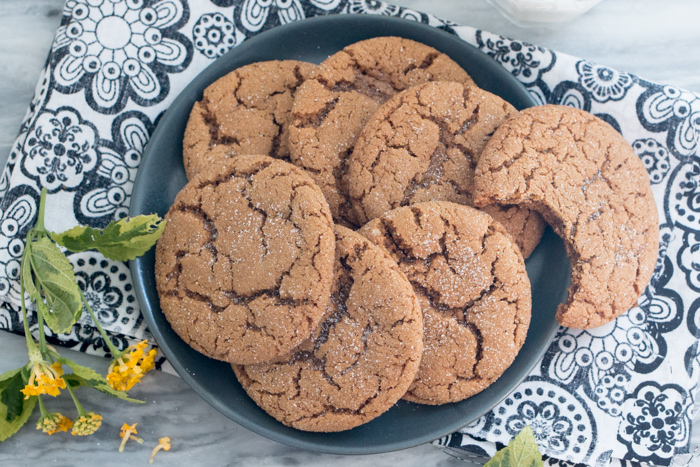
<point x="199" y="434"/>
<point x="657" y="40"/>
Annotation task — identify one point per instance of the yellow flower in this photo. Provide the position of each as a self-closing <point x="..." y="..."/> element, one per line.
<point x="127" y="432"/>
<point x="127" y="370"/>
<point x="53" y="423"/>
<point x="44" y="379"/>
<point x="164" y="444"/>
<point x="87" y="424"/>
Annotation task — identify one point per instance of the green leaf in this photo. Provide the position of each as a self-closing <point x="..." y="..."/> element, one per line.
<point x="522" y="451"/>
<point x="85" y="376"/>
<point x="121" y="240"/>
<point x="27" y="278"/>
<point x="14" y="409"/>
<point x="30" y="287"/>
<point x="11" y="383"/>
<point x="54" y="277"/>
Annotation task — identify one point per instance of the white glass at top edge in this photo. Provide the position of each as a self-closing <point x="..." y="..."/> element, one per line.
<point x="530" y="13"/>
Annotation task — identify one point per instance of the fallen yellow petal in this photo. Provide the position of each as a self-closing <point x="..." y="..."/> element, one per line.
<point x="128" y="432"/>
<point x="164" y="444"/>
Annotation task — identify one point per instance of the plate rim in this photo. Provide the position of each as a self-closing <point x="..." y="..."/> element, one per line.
<point x="203" y="79"/>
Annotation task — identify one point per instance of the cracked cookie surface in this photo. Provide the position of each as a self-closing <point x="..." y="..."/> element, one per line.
<point x="245" y="264"/>
<point x="362" y="357"/>
<point x="474" y="291"/>
<point x="423" y="145"/>
<point x="333" y="105"/>
<point x="244" y="112"/>
<point x="593" y="190"/>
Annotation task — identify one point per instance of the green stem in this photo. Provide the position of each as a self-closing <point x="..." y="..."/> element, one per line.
<point x="81" y="410"/>
<point x="39" y="227"/>
<point x="42" y="335"/>
<point x="116" y="353"/>
<point x="31" y="345"/>
<point x="30" y="341"/>
<point x="44" y="412"/>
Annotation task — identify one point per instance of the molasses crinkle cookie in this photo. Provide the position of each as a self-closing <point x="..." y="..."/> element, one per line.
<point x="471" y="282"/>
<point x="244" y="112"/>
<point x="245" y="264"/>
<point x="593" y="190"/>
<point x="423" y="145"/>
<point x="333" y="105"/>
<point x="362" y="357"/>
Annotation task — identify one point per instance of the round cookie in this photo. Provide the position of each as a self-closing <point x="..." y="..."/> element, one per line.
<point x="245" y="264"/>
<point x="244" y="112"/>
<point x="331" y="108"/>
<point x="362" y="358"/>
<point x="423" y="145"/>
<point x="474" y="291"/>
<point x="593" y="190"/>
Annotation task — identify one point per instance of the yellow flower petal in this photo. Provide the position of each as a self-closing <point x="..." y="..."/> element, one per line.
<point x="129" y="428"/>
<point x="127" y="370"/>
<point x="58" y="368"/>
<point x="45" y="379"/>
<point x="31" y="390"/>
<point x="53" y="423"/>
<point x="164" y="444"/>
<point x="127" y="432"/>
<point x="65" y="425"/>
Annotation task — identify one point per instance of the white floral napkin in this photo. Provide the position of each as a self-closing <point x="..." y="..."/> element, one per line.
<point x="620" y="392"/>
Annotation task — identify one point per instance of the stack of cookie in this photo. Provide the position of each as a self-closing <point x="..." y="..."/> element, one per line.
<point x="328" y="247"/>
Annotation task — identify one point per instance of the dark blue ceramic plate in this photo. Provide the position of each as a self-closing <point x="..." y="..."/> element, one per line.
<point x="162" y="175"/>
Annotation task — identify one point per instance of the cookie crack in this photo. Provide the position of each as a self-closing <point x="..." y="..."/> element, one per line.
<point x="317" y="364"/>
<point x="252" y="207"/>
<point x="435" y="173"/>
<point x="358" y="198"/>
<point x="317" y="119"/>
<point x="327" y="408"/>
<point x="211" y="121"/>
<point x="299" y="76"/>
<point x="277" y="140"/>
<point x="365" y="347"/>
<point x="365" y="81"/>
<point x="425" y="64"/>
<point x="338" y="300"/>
<point x="474" y="329"/>
<point x="237" y="172"/>
<point x="399" y="244"/>
<point x="340" y="175"/>
<point x="210" y="226"/>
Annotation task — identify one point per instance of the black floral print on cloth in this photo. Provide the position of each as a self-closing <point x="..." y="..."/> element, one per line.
<point x="372" y="7"/>
<point x="657" y="422"/>
<point x="675" y="112"/>
<point x="655" y="157"/>
<point x="60" y="150"/>
<point x="253" y="16"/>
<point x="116" y="50"/>
<point x="603" y="83"/>
<point x="526" y="62"/>
<point x="562" y="422"/>
<point x="616" y="395"/>
<point x="214" y="35"/>
<point x="106" y="191"/>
